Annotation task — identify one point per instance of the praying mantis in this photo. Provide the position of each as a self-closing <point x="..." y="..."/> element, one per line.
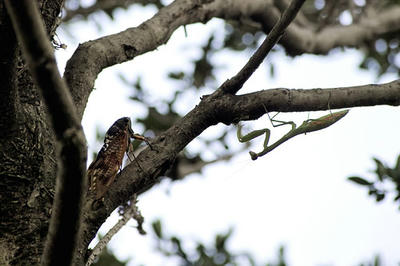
<point x="307" y="126"/>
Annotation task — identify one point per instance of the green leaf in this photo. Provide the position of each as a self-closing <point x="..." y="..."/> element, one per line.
<point x="360" y="181"/>
<point x="157" y="228"/>
<point x="176" y="75"/>
<point x="179" y="250"/>
<point x="381" y="170"/>
<point x="380" y="196"/>
<point x="271" y="70"/>
<point x="394" y="174"/>
<point x="397" y="167"/>
<point x="377" y="261"/>
<point x="397" y="197"/>
<point x="372" y="191"/>
<point x="220" y="240"/>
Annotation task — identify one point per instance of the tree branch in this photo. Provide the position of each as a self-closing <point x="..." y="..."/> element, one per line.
<point x="301" y="38"/>
<point x="63" y="230"/>
<point x="229" y="109"/>
<point x="130" y="211"/>
<point x="234" y="84"/>
<point x="300" y="19"/>
<point x="251" y="106"/>
<point x="92" y="57"/>
<point x="226" y="108"/>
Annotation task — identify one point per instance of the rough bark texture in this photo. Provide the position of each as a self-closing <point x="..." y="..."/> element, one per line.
<point x="27" y="151"/>
<point x="27" y="143"/>
<point x="70" y="185"/>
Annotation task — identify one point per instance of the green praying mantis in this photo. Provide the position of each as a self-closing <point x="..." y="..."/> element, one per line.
<point x="307" y="126"/>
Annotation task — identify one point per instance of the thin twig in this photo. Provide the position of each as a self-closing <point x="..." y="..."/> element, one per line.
<point x="38" y="53"/>
<point x="234" y="84"/>
<point x="130" y="211"/>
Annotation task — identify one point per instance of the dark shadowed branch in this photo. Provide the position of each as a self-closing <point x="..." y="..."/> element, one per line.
<point x="38" y="53"/>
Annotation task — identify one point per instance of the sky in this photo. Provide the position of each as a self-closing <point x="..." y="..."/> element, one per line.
<point x="296" y="196"/>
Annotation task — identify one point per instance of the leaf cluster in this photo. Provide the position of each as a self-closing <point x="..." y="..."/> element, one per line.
<point x="384" y="176"/>
<point x="215" y="254"/>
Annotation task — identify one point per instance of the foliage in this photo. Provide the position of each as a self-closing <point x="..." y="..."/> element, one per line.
<point x="379" y="55"/>
<point x="213" y="255"/>
<point x="385" y="177"/>
<point x="171" y="247"/>
<point x="218" y="253"/>
<point x="375" y="262"/>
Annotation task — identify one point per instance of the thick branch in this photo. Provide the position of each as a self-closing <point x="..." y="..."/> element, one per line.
<point x="251" y="106"/>
<point x="38" y="52"/>
<point x="301" y="38"/>
<point x="234" y="84"/>
<point x="92" y="57"/>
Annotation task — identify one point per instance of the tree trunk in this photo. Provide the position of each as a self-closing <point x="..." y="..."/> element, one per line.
<point x="27" y="150"/>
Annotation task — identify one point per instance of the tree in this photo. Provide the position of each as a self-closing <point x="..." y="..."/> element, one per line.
<point x="40" y="124"/>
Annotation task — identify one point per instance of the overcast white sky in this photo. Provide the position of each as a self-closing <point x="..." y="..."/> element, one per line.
<point x="297" y="195"/>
